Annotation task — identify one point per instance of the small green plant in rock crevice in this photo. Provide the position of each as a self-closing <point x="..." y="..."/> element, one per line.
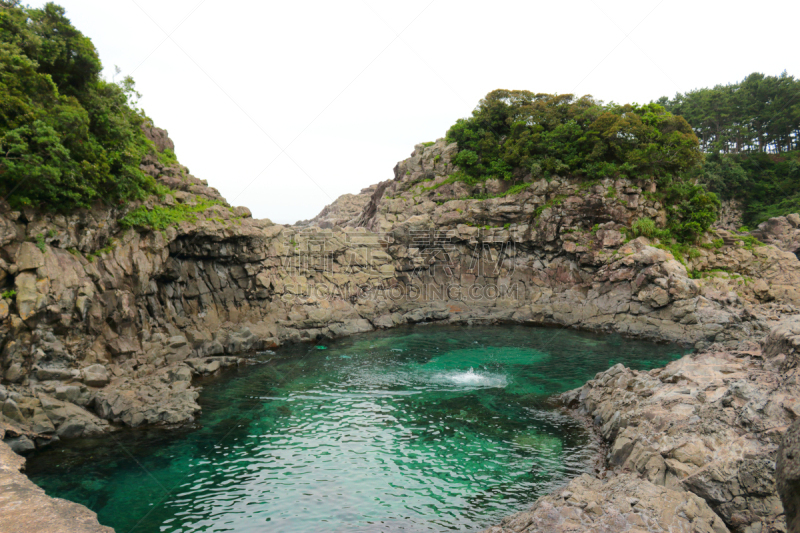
<point x="749" y="242"/>
<point x="40" y="244"/>
<point x="112" y="243"/>
<point x="555" y="201"/>
<point x="644" y="227"/>
<point x="9" y="295"/>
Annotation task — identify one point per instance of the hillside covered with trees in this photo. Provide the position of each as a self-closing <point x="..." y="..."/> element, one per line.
<point x="750" y="131"/>
<point x="67" y="136"/>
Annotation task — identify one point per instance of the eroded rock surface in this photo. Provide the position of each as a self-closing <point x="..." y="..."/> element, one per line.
<point x="788" y="476"/>
<point x="709" y="423"/>
<point x="623" y="503"/>
<point x="783" y="232"/>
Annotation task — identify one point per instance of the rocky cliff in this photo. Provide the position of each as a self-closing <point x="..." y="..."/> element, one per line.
<point x="105" y="321"/>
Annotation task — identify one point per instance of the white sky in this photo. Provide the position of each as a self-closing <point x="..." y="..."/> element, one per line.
<point x="333" y="85"/>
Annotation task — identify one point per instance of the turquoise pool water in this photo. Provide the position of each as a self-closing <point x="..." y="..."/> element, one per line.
<point x="419" y="429"/>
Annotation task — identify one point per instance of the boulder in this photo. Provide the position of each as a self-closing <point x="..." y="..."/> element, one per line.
<point x="12" y="411"/>
<point x="95" y="376"/>
<point x="21" y="445"/>
<point x="15" y="373"/>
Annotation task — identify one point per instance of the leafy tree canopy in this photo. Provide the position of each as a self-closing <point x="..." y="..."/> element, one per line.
<point x="67" y="137"/>
<point x="768" y="185"/>
<point x="751" y="132"/>
<point x="513" y="133"/>
<point x="758" y="114"/>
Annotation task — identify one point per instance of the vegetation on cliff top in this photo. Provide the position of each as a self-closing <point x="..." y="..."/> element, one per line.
<point x="751" y="131"/>
<point x="513" y="135"/>
<point x="67" y="136"/>
<point x="759" y="114"/>
<point x="518" y="132"/>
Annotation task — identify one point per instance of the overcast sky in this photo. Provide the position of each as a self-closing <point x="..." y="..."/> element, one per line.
<point x="284" y="106"/>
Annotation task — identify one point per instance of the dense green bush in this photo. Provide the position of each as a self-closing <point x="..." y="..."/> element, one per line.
<point x="767" y="184"/>
<point x="512" y="133"/>
<point x="691" y="209"/>
<point x="644" y="227"/>
<point x="67" y="137"/>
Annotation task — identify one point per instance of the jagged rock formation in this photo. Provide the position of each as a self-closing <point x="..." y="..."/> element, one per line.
<point x="343" y="212"/>
<point x="709" y="423"/>
<point x="788" y="476"/>
<point x="108" y="325"/>
<point x="783" y="232"/>
<point x="622" y="503"/>
<point x="731" y="215"/>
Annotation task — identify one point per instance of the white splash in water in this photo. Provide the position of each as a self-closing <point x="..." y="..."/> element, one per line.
<point x="470" y="378"/>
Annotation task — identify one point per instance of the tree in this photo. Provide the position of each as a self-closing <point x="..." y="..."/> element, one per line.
<point x="67" y="136"/>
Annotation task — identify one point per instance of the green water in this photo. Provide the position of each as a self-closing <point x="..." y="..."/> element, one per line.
<point x="419" y="429"/>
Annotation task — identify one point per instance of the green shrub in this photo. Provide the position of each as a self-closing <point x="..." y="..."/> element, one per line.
<point x="644" y="227"/>
<point x="40" y="244"/>
<point x="750" y="243"/>
<point x="10" y="294"/>
<point x="161" y="217"/>
<point x="167" y="157"/>
<point x="691" y="209"/>
<point x="716" y="244"/>
<point x="108" y="248"/>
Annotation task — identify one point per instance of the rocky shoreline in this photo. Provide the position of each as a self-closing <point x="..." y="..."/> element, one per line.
<point x="107" y="326"/>
<point x="701" y="433"/>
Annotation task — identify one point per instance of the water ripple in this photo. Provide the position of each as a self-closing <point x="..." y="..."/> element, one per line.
<point x="426" y="429"/>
